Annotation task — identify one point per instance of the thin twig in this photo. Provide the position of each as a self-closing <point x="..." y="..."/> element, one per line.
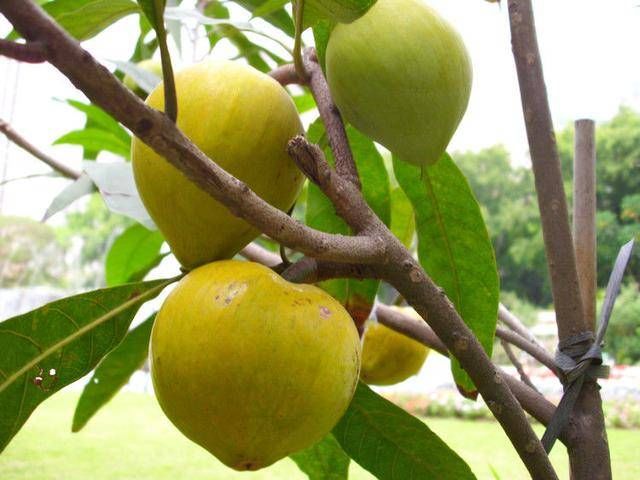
<point x="31" y="52"/>
<point x="515" y="324"/>
<point x="525" y="345"/>
<point x="286" y="75"/>
<point x="333" y="124"/>
<point x="23" y="143"/>
<point x="531" y="400"/>
<point x="516" y="363"/>
<point x="169" y="83"/>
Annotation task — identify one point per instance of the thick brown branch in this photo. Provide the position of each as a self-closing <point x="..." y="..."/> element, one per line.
<point x="310" y="270"/>
<point x="531" y="400"/>
<point x="23" y="143"/>
<point x="31" y="52"/>
<point x="406" y="275"/>
<point x="552" y="200"/>
<point x="157" y="131"/>
<point x="344" y="194"/>
<point x="588" y="451"/>
<point x="345" y="165"/>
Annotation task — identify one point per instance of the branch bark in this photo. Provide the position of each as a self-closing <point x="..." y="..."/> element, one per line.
<point x="333" y="124"/>
<point x="515" y="324"/>
<point x="156" y="130"/>
<point x="31" y="52"/>
<point x="23" y="143"/>
<point x="531" y="400"/>
<point x="513" y="358"/>
<point x="525" y="345"/>
<point x="552" y="200"/>
<point x="588" y="449"/>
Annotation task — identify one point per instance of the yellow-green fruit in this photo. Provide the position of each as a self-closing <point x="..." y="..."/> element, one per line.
<point x="401" y="74"/>
<point x="150" y="65"/>
<point x="240" y="118"/>
<point x="388" y="357"/>
<point x="250" y="366"/>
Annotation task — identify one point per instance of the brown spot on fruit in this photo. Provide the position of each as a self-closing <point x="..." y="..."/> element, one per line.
<point x="325" y="312"/>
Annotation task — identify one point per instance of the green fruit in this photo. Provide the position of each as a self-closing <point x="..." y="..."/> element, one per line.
<point x="150" y="65"/>
<point x="242" y="119"/>
<point x="401" y="74"/>
<point x="388" y="357"/>
<point x="250" y="366"/>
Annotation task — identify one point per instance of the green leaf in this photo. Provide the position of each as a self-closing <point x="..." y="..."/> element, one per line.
<point x="135" y="252"/>
<point x="97" y="139"/>
<point x="101" y="119"/>
<point x="60" y="343"/>
<point x="394" y="445"/>
<point x="279" y="19"/>
<point x="113" y="373"/>
<point x="84" y="19"/>
<point x="268" y="7"/>
<point x="153" y="10"/>
<point x="356" y="295"/>
<point x="344" y="11"/>
<point x="324" y="460"/>
<point x="454" y="248"/>
<point x="304" y="102"/>
<point x="403" y="223"/>
<point x="321" y="32"/>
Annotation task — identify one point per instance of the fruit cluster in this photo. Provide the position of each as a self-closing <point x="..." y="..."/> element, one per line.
<point x="247" y="365"/>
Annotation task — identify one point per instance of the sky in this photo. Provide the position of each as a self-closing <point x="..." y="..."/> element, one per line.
<point x="588" y="47"/>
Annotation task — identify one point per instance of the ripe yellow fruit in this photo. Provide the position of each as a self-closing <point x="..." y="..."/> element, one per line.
<point x="250" y="366"/>
<point x="242" y="119"/>
<point x="388" y="357"/>
<point x="401" y="74"/>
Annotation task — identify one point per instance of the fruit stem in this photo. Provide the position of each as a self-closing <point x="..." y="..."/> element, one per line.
<point x="298" y="7"/>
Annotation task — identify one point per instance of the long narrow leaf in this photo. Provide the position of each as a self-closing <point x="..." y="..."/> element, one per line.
<point x="323" y="461"/>
<point x="454" y="248"/>
<point x="57" y="344"/>
<point x="394" y="445"/>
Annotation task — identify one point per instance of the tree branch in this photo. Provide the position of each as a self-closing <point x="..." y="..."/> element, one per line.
<point x="514" y="323"/>
<point x="23" y="143"/>
<point x="31" y="52"/>
<point x="552" y="200"/>
<point x="343" y="193"/>
<point x="286" y="75"/>
<point x="531" y="400"/>
<point x="588" y="449"/>
<point x="525" y="345"/>
<point x="157" y="131"/>
<point x="345" y="165"/>
<point x="516" y="363"/>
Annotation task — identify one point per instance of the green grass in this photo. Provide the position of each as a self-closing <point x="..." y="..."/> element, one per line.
<point x="131" y="439"/>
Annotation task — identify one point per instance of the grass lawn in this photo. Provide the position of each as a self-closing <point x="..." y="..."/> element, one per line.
<point x="131" y="439"/>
